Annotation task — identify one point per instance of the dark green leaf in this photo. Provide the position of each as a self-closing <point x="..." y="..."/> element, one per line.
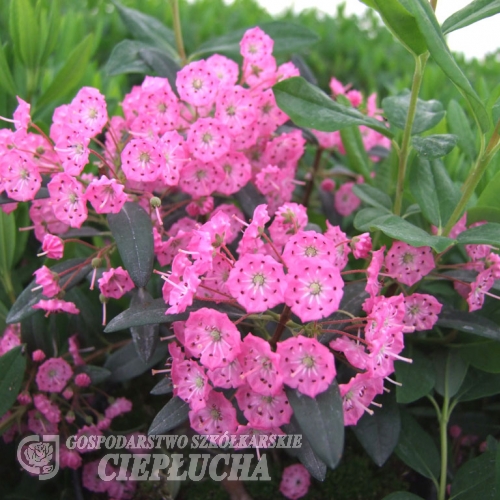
<point x="472" y="13"/>
<point x="97" y="374"/>
<point x="402" y="495"/>
<point x="356" y="153"/>
<point x="322" y="422"/>
<point x="308" y="106"/>
<point x="372" y="196"/>
<point x="161" y="64"/>
<point x="479" y="384"/>
<point x="174" y="413"/>
<point x="436" y="43"/>
<point x="306" y="455"/>
<point x="433" y="190"/>
<point x="476" y="479"/>
<point x="8" y="233"/>
<point x="434" y="146"/>
<point x="145" y="337"/>
<point x="23" y="307"/>
<point x="469" y="323"/>
<point x="450" y="371"/>
<point x="12" y="367"/>
<point x="125" y="364"/>
<point x="487" y="234"/>
<point x="379" y="433"/>
<point x="70" y="74"/>
<point x="484" y="356"/>
<point x="3" y="316"/>
<point x="125" y="58"/>
<point x="459" y="125"/>
<point x="417" y="449"/>
<point x="427" y="116"/>
<point x="288" y="38"/>
<point x="249" y="199"/>
<point x="399" y="229"/>
<point x="133" y="233"/>
<point x="418" y="378"/>
<point x="164" y="386"/>
<point x="35" y="333"/>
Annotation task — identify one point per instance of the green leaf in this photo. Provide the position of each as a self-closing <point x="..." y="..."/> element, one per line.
<point x="472" y="13"/>
<point x="418" y="378"/>
<point x="8" y="233"/>
<point x="249" y="199"/>
<point x="379" y="433"/>
<point x="484" y="355"/>
<point x="478" y="384"/>
<point x="495" y="111"/>
<point x="427" y="115"/>
<point x="133" y="233"/>
<point x="459" y="125"/>
<point x="3" y="316"/>
<point x="161" y="64"/>
<point x="372" y="196"/>
<point x="402" y="495"/>
<point x="145" y="337"/>
<point x="433" y="190"/>
<point x="153" y="313"/>
<point x="417" y="449"/>
<point x="97" y="374"/>
<point x="148" y="29"/>
<point x="436" y="43"/>
<point x="487" y="234"/>
<point x="164" y="386"/>
<point x="476" y="479"/>
<point x="125" y="58"/>
<point x="308" y="106"/>
<point x="375" y="218"/>
<point x="322" y="421"/>
<point x="70" y="74"/>
<point x="23" y="307"/>
<point x="401" y="24"/>
<point x="124" y="364"/>
<point x="356" y="152"/>
<point x="469" y="323"/>
<point x="174" y="413"/>
<point x="24" y="32"/>
<point x="450" y="371"/>
<point x="288" y="38"/>
<point x="6" y="79"/>
<point x="434" y="146"/>
<point x="488" y="204"/>
<point x="12" y="367"/>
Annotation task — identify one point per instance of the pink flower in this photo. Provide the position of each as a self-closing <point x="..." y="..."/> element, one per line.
<point x="56" y="306"/>
<point x="314" y="289"/>
<point x="340" y="241"/>
<point x="356" y="97"/>
<point x="237" y="172"/>
<point x="115" y="283"/>
<point x="224" y="69"/>
<point x="89" y="111"/>
<point x="142" y="160"/>
<point x="53" y="375"/>
<point x="175" y="154"/>
<point x="307" y="245"/>
<point x="361" y="246"/>
<point x="118" y="407"/>
<point x="38" y="356"/>
<point x="345" y="200"/>
<point x="408" y="264"/>
<point x="257" y="282"/>
<point x="306" y="365"/>
<point x="106" y="195"/>
<point x="91" y="479"/>
<point x="73" y="151"/>
<point x="479" y="288"/>
<point x="235" y="108"/>
<point x="10" y="338"/>
<point x="227" y="376"/>
<point x="69" y="458"/>
<point x="208" y="139"/>
<point x="68" y="200"/>
<point x="295" y="481"/>
<point x="47" y="280"/>
<point x="20" y="177"/>
<point x="73" y="348"/>
<point x="44" y="219"/>
<point x="82" y="380"/>
<point x="337" y="87"/>
<point x="256" y="44"/>
<point x="190" y="383"/>
<point x="200" y="179"/>
<point x="21" y="115"/>
<point x="197" y="84"/>
<point x="289" y="219"/>
<point x="52" y="246"/>
<point x="421" y="311"/>
<point x="48" y="409"/>
<point x="372" y="284"/>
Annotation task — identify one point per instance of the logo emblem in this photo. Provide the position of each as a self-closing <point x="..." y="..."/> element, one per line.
<point x="39" y="455"/>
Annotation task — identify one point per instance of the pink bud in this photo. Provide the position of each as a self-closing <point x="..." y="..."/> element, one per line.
<point x="38" y="356"/>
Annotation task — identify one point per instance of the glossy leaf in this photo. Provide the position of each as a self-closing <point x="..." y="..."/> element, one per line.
<point x="288" y="38"/>
<point x="417" y="378"/>
<point x="427" y="115"/>
<point x="372" y="196"/>
<point x="23" y="307"/>
<point x="164" y="386"/>
<point x="70" y="74"/>
<point x="308" y="106"/>
<point x="12" y="367"/>
<point x="322" y="421"/>
<point x="469" y="323"/>
<point x="433" y="190"/>
<point x="488" y="204"/>
<point x="174" y="413"/>
<point x="436" y="43"/>
<point x="6" y="79"/>
<point x="125" y="58"/>
<point x="161" y="64"/>
<point x="399" y="229"/>
<point x="417" y="449"/>
<point x="471" y="13"/>
<point x="145" y="337"/>
<point x="379" y="433"/>
<point x="133" y="233"/>
<point x="434" y="146"/>
<point x="459" y="125"/>
<point x="249" y="199"/>
<point x="476" y="479"/>
<point x="483" y="355"/>
<point x="125" y="364"/>
<point x="487" y="234"/>
<point x="24" y="32"/>
<point x="450" y="371"/>
<point x="97" y="374"/>
<point x="478" y="384"/>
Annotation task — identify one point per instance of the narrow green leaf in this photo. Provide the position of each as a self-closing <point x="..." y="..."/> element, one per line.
<point x="433" y="190"/>
<point x="478" y="384"/>
<point x="8" y="233"/>
<point x="472" y="13"/>
<point x="417" y="449"/>
<point x="476" y="479"/>
<point x="24" y="32"/>
<point x="402" y="495"/>
<point x="23" y="307"/>
<point x="3" y="316"/>
<point x="459" y="125"/>
<point x="379" y="433"/>
<point x="133" y="233"/>
<point x="174" y="413"/>
<point x="12" y="367"/>
<point x="440" y="52"/>
<point x="308" y="106"/>
<point x="356" y="152"/>
<point x="487" y="234"/>
<point x="434" y="146"/>
<point x="427" y="116"/>
<point x="417" y="378"/>
<point x="6" y="79"/>
<point x="373" y="196"/>
<point x="97" y="374"/>
<point x="488" y="204"/>
<point x="145" y="337"/>
<point x="50" y="23"/>
<point x="469" y="323"/>
<point x="322" y="421"/>
<point x="70" y="74"/>
<point x="495" y="111"/>
<point x="164" y="386"/>
<point x="125" y="58"/>
<point x="450" y="371"/>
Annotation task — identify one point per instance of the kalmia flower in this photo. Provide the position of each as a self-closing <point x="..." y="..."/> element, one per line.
<point x="422" y="311"/>
<point x="68" y="200"/>
<point x="408" y="264"/>
<point x="115" y="283"/>
<point x="53" y="375"/>
<point x="295" y="482"/>
<point x="52" y="246"/>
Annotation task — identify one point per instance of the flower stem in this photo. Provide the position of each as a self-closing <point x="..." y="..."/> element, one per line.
<point x="310" y="182"/>
<point x="178" y="31"/>
<point x="443" y="431"/>
<point x="405" y="145"/>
